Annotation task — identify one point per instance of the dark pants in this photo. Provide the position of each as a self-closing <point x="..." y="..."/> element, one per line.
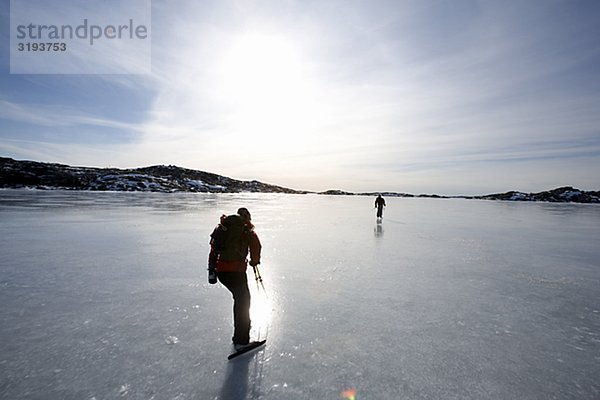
<point x="379" y="212"/>
<point x="237" y="283"/>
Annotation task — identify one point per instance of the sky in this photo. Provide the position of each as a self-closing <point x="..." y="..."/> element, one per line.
<point x="449" y="97"/>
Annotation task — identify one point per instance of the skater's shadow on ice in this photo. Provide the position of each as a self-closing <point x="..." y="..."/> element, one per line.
<point x="236" y="383"/>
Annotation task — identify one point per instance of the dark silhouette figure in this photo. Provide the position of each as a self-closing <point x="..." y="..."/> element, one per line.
<point x="379" y="203"/>
<point x="231" y="241"/>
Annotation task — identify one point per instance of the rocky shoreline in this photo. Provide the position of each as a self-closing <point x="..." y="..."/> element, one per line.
<point x="170" y="179"/>
<point x="160" y="178"/>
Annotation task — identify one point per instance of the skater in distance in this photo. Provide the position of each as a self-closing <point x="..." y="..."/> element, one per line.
<point x="379" y="203"/>
<point x="231" y="243"/>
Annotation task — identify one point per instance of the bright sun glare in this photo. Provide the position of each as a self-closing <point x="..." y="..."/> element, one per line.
<point x="261" y="66"/>
<point x="264" y="81"/>
<point x="260" y="310"/>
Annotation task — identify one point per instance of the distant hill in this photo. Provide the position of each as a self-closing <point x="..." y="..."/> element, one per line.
<point x="565" y="194"/>
<point x="336" y="192"/>
<point x="163" y="178"/>
<point x="159" y="178"/>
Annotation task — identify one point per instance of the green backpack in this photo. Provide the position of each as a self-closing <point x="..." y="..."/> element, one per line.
<point x="231" y="239"/>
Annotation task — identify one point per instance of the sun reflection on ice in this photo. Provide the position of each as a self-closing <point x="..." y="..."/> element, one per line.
<point x="260" y="309"/>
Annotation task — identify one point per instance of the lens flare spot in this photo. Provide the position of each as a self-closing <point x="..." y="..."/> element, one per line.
<point x="349" y="394"/>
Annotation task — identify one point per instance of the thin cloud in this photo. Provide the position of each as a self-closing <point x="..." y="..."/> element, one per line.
<point x="56" y="117"/>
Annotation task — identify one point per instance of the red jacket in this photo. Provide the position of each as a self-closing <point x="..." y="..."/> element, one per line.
<point x="238" y="266"/>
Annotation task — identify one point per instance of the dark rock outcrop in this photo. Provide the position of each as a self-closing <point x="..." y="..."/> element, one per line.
<point x="159" y="178"/>
<point x="565" y="194"/>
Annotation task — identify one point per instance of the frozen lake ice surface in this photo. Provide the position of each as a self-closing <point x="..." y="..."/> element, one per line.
<point x="105" y="296"/>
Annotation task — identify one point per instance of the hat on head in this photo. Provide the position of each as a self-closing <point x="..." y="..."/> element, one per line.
<point x="244" y="213"/>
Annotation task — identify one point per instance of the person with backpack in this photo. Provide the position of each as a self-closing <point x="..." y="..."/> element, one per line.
<point x="231" y="243"/>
